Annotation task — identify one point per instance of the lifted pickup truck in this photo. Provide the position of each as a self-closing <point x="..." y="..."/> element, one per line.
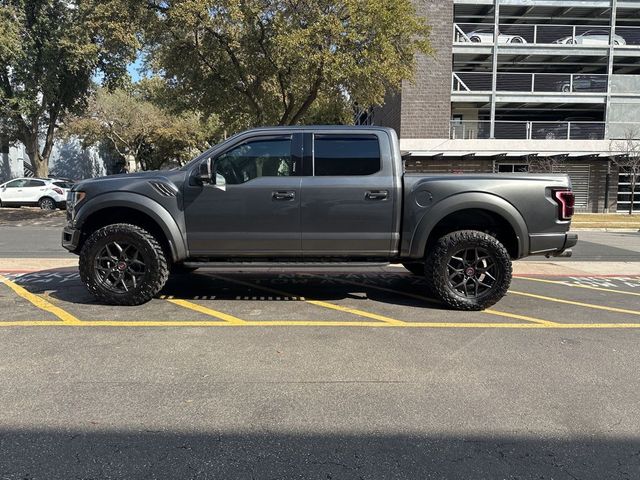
<point x="303" y="195"/>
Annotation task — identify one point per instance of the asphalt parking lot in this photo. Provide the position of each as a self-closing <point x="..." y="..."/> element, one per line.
<point x="319" y="374"/>
<point x="373" y="298"/>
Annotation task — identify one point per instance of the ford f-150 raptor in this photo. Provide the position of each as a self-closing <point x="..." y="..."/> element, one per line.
<point x="303" y="195"/>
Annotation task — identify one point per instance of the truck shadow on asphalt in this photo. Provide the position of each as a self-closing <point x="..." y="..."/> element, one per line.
<point x="78" y="453"/>
<point x="399" y="289"/>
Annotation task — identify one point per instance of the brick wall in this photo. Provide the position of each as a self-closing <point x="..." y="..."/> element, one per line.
<point x="389" y="114"/>
<point x="424" y="105"/>
<point x="426" y="102"/>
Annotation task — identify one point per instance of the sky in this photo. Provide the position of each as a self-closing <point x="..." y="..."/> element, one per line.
<point x="135" y="68"/>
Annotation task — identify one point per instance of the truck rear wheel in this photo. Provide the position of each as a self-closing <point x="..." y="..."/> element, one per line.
<point x="469" y="270"/>
<point x="123" y="264"/>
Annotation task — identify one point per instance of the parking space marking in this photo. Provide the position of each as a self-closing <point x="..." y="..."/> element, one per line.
<point x="432" y="301"/>
<point x="588" y="287"/>
<point x="321" y="323"/>
<point x="207" y="311"/>
<point x="318" y="303"/>
<point x="39" y="302"/>
<point x="578" y="304"/>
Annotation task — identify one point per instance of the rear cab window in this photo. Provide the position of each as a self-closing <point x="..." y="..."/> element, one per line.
<point x="346" y="155"/>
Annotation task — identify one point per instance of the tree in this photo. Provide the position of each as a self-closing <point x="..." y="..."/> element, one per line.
<point x="136" y="128"/>
<point x="269" y="62"/>
<point x="49" y="52"/>
<point x="625" y="153"/>
<point x="554" y="164"/>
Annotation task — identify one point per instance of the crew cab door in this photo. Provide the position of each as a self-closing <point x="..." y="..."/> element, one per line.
<point x="348" y="196"/>
<point x="253" y="210"/>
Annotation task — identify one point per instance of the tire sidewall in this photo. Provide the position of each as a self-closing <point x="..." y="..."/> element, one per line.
<point x="151" y="255"/>
<point x="451" y="244"/>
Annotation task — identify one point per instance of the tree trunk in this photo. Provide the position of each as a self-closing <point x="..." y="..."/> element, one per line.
<point x="39" y="163"/>
<point x="633" y="192"/>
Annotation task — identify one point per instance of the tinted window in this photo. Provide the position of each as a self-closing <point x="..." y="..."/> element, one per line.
<point x="63" y="184"/>
<point x="263" y="157"/>
<point x="16" y="183"/>
<point x="34" y="183"/>
<point x="343" y="155"/>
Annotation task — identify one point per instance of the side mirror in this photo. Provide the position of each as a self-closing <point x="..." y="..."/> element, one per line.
<point x="205" y="171"/>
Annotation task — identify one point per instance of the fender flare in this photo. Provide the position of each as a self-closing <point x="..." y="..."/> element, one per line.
<point x="144" y="205"/>
<point x="466" y="201"/>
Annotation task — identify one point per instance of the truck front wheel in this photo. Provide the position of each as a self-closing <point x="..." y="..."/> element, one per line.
<point x="469" y="270"/>
<point x="123" y="264"/>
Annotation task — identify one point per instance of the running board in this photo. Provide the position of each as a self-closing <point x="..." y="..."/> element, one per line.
<point x="286" y="265"/>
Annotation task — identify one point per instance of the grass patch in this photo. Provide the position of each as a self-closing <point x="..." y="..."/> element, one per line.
<point x="606" y="220"/>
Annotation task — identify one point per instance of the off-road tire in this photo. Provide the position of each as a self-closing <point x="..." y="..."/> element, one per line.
<point x="415" y="268"/>
<point x="153" y="256"/>
<point x="47" y="203"/>
<point x="437" y="270"/>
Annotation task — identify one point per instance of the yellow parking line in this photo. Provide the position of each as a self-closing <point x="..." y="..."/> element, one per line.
<point x="39" y="302"/>
<point x="578" y="304"/>
<point x="353" y="311"/>
<point x="588" y="287"/>
<point x="432" y="301"/>
<point x="526" y="318"/>
<point x="318" y="303"/>
<point x="207" y="311"/>
<point x="320" y="323"/>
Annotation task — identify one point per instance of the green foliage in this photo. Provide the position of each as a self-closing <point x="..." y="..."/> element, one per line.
<point x="137" y="128"/>
<point x="258" y="62"/>
<point x="49" y="52"/>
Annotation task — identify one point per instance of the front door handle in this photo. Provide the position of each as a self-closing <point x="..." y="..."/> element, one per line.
<point x="283" y="196"/>
<point x="376" y="195"/>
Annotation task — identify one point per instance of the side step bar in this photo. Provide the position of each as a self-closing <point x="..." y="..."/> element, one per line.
<point x="285" y="265"/>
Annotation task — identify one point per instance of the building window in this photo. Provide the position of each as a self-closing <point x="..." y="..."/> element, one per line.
<point x="624" y="193"/>
<point x="513" y="168"/>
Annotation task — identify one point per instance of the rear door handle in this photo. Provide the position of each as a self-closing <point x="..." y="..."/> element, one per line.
<point x="376" y="195"/>
<point x="283" y="196"/>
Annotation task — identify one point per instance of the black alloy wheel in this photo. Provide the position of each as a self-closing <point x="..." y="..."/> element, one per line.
<point x="119" y="267"/>
<point x="472" y="272"/>
<point x="468" y="270"/>
<point x="123" y="264"/>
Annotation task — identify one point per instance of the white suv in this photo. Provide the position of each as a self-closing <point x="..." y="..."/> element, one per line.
<point x="42" y="192"/>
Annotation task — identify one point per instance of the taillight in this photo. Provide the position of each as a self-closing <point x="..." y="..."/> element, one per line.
<point x="58" y="191"/>
<point x="566" y="201"/>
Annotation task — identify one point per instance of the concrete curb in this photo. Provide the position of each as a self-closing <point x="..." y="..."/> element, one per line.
<point x="544" y="268"/>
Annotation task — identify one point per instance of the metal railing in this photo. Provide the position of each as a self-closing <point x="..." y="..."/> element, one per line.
<point x="545" y="34"/>
<point x="530" y="82"/>
<point x="541" y="130"/>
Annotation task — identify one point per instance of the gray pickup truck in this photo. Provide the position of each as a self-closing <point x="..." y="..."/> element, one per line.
<point x="304" y="195"/>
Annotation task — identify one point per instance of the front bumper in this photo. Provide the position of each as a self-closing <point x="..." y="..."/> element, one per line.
<point x="70" y="239"/>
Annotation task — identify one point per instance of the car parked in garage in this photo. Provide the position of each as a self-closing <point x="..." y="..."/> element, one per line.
<point x="592" y="37"/>
<point x="41" y="192"/>
<point x="486" y="36"/>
